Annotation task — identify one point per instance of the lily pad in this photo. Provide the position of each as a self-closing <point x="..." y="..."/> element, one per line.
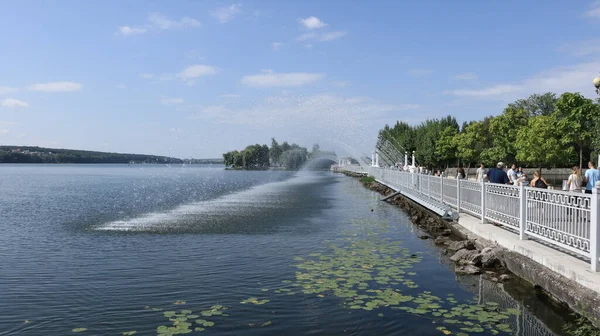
<point x="78" y="330"/>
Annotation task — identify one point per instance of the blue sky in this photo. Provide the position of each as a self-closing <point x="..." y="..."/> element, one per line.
<point x="197" y="78"/>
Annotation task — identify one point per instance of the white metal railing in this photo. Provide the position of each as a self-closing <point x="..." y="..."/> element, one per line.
<point x="567" y="220"/>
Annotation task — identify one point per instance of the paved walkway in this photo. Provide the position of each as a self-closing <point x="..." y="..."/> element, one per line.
<point x="559" y="262"/>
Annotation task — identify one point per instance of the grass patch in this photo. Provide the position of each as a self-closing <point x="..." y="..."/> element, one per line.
<point x="367" y="179"/>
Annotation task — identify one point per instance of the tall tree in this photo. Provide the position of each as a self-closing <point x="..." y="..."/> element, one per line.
<point x="537" y="104"/>
<point x="577" y="117"/>
<point x="539" y="144"/>
<point x="445" y="147"/>
<point x="275" y="151"/>
<point x="503" y="130"/>
<point x="471" y="143"/>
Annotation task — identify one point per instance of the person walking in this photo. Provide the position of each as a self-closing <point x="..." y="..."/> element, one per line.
<point x="497" y="174"/>
<point x="574" y="181"/>
<point x="538" y="181"/>
<point x="592" y="175"/>
<point x="512" y="174"/>
<point x="480" y="175"/>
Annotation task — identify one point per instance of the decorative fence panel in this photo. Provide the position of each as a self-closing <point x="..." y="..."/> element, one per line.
<point x="502" y="204"/>
<point x="470" y="197"/>
<point x="560" y="218"/>
<point x="450" y="192"/>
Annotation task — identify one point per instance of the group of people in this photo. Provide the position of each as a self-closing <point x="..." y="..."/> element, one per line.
<point x="516" y="176"/>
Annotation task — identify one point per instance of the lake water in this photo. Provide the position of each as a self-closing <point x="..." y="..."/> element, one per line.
<point x="117" y="248"/>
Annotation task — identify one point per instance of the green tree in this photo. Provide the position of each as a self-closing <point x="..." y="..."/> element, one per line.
<point x="537" y="104"/>
<point x="577" y="117"/>
<point x="445" y="147"/>
<point x="293" y="159"/>
<point x="275" y="151"/>
<point x="539" y="144"/>
<point x="285" y="146"/>
<point x="503" y="130"/>
<point x="471" y="142"/>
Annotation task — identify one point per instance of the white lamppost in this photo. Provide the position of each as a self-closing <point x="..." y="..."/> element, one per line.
<point x="596" y="83"/>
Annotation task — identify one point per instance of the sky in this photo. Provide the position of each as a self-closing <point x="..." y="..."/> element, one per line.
<point x="199" y="78"/>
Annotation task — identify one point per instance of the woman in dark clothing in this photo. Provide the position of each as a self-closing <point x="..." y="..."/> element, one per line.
<point x="461" y="174"/>
<point x="538" y="181"/>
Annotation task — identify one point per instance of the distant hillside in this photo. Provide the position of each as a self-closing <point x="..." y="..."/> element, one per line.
<point x="27" y="154"/>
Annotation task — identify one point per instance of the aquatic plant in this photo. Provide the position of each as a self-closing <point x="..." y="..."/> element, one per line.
<point x="181" y="321"/>
<point x="368" y="271"/>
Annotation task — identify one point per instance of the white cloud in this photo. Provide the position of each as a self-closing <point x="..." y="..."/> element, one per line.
<point x="420" y="72"/>
<point x="4" y="131"/>
<point x="161" y="22"/>
<point x="171" y="101"/>
<point x="13" y="103"/>
<point x="575" y="78"/>
<point x="56" y="87"/>
<point x="465" y="76"/>
<point x="582" y="48"/>
<point x="158" y="21"/>
<point x="341" y="83"/>
<point x="322" y="37"/>
<point x="4" y="90"/>
<point x="594" y="11"/>
<point x="332" y="36"/>
<point x="276" y="45"/>
<point x="308" y="46"/>
<point x="129" y="31"/>
<point x="489" y="91"/>
<point x="121" y="86"/>
<point x="147" y="75"/>
<point x="226" y="14"/>
<point x="272" y="79"/>
<point x="312" y="22"/>
<point x="196" y="71"/>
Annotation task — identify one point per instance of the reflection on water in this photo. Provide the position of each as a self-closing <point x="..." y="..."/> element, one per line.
<point x="115" y="249"/>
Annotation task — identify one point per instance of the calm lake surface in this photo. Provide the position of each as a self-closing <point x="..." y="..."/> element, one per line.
<point x="115" y="248"/>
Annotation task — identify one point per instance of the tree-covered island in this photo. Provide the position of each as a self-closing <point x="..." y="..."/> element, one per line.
<point x="284" y="155"/>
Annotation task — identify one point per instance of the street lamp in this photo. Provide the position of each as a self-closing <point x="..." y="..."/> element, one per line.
<point x="596" y="82"/>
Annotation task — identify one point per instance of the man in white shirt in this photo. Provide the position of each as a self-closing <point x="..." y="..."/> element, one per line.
<point x="481" y="173"/>
<point x="512" y="174"/>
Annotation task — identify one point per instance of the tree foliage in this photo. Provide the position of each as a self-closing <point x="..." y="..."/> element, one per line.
<point x="261" y="156"/>
<point x="570" y="123"/>
<point x="28" y="154"/>
<point x="539" y="144"/>
<point x="576" y="118"/>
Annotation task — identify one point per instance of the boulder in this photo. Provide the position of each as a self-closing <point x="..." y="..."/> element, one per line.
<point x="462" y="244"/>
<point x="441" y="240"/>
<point x="504" y="277"/>
<point x="424" y="237"/>
<point x="446" y="232"/>
<point x="467" y="257"/>
<point x="467" y="269"/>
<point x="489" y="259"/>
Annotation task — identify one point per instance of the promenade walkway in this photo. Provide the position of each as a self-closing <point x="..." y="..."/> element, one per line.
<point x="557" y="229"/>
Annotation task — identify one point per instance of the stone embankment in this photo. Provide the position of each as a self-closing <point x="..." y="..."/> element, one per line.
<point x="475" y="255"/>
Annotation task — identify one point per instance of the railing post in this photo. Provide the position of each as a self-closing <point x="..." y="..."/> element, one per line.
<point x="457" y="194"/>
<point x="595" y="230"/>
<point x="483" y="220"/>
<point x="441" y="189"/>
<point x="522" y="212"/>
